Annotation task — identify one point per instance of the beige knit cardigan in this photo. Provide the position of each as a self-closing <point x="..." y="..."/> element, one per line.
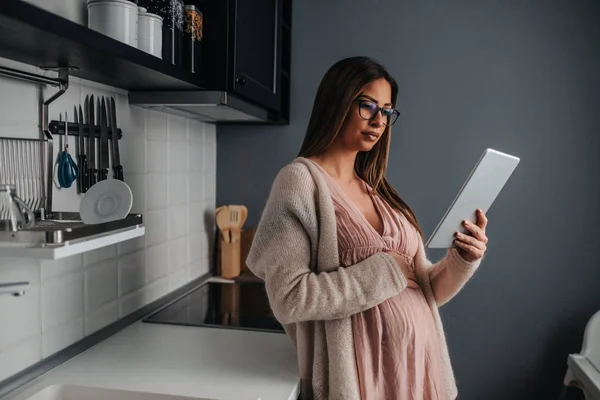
<point x="295" y="252"/>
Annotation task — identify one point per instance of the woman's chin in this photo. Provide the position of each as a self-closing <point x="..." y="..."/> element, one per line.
<point x="365" y="145"/>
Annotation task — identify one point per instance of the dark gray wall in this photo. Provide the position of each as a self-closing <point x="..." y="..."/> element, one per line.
<point x="522" y="77"/>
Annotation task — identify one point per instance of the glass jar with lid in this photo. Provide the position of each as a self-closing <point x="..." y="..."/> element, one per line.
<point x="193" y="21"/>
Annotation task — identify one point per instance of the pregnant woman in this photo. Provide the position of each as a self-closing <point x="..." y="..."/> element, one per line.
<point x="343" y="259"/>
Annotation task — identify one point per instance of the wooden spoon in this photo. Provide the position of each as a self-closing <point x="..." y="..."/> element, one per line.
<point x="224" y="223"/>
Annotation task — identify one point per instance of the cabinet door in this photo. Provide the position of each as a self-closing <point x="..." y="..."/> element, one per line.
<point x="257" y="59"/>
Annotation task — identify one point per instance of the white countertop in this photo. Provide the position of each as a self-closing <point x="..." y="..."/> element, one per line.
<point x="188" y="361"/>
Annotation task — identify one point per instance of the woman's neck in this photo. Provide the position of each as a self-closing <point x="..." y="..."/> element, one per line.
<point x="339" y="164"/>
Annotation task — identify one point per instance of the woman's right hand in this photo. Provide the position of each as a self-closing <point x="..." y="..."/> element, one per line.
<point x="411" y="278"/>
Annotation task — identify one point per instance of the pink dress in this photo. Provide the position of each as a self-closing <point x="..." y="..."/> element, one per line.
<point x="395" y="343"/>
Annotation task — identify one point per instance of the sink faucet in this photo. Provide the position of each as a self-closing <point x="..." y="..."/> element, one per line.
<point x="15" y="288"/>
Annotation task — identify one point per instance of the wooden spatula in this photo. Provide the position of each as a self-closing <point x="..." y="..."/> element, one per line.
<point x="238" y="218"/>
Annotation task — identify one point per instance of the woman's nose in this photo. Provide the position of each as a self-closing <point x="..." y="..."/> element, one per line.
<point x="377" y="120"/>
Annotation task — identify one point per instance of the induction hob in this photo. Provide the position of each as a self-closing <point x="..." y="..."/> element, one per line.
<point x="239" y="305"/>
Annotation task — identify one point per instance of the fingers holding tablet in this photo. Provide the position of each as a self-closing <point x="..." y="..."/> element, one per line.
<point x="472" y="247"/>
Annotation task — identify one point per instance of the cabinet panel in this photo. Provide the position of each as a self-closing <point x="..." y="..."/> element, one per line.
<point x="256" y="55"/>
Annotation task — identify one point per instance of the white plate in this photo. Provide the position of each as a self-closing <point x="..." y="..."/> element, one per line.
<point x="107" y="200"/>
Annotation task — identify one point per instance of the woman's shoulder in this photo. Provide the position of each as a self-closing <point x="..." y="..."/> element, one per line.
<point x="295" y="175"/>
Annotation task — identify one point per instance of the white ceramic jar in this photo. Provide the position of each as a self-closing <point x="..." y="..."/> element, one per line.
<point x="115" y="18"/>
<point x="150" y="32"/>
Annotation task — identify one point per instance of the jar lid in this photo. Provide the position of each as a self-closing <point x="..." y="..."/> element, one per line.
<point x="143" y="13"/>
<point x="126" y="2"/>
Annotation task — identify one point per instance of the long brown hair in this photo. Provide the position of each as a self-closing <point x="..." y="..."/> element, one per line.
<point x="340" y="86"/>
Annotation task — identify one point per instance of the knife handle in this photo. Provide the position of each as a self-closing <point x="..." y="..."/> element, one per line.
<point x="83" y="177"/>
<point x="91" y="177"/>
<point x="118" y="172"/>
<point x="102" y="174"/>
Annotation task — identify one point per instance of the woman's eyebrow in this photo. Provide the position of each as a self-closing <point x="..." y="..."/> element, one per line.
<point x="373" y="99"/>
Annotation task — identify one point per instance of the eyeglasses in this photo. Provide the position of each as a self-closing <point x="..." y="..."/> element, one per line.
<point x="368" y="110"/>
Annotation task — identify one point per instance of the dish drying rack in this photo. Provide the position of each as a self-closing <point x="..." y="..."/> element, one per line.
<point x="28" y="164"/>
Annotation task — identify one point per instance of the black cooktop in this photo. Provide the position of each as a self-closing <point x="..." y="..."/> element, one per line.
<point x="221" y="305"/>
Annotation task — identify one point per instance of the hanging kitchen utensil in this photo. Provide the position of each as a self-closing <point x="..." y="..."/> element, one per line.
<point x="116" y="157"/>
<point x="82" y="179"/>
<point x="66" y="169"/>
<point x="92" y="171"/>
<point x="103" y="170"/>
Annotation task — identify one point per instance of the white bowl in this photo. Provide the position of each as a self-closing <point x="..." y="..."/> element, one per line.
<point x="107" y="200"/>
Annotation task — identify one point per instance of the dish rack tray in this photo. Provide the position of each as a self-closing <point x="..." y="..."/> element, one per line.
<point x="68" y="228"/>
<point x="27" y="164"/>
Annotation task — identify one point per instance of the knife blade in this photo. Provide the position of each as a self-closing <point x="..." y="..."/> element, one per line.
<point x="103" y="170"/>
<point x="92" y="171"/>
<point x="82" y="178"/>
<point x="116" y="158"/>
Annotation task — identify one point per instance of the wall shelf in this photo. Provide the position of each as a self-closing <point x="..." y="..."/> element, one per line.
<point x="55" y="252"/>
<point x="37" y="37"/>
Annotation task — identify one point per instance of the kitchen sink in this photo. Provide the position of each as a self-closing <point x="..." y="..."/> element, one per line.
<point x="76" y="392"/>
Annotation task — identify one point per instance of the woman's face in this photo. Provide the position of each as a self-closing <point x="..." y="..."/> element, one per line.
<point x="365" y="122"/>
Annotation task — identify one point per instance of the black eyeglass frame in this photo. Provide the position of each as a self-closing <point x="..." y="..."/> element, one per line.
<point x="360" y="102"/>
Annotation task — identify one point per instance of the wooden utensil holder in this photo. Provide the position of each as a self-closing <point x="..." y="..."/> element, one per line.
<point x="231" y="265"/>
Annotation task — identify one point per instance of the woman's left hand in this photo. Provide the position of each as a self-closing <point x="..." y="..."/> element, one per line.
<point x="472" y="247"/>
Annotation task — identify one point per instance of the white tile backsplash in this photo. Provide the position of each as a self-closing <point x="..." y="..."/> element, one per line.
<point x="177" y="129"/>
<point x="101" y="284"/>
<point x="131" y="302"/>
<point x="96" y="256"/>
<point x="52" y="268"/>
<point x="168" y="163"/>
<point x="132" y="245"/>
<point x="132" y="272"/>
<point x="62" y="336"/>
<point x="178" y="160"/>
<point x="157" y="289"/>
<point x="157" y="262"/>
<point x="178" y="189"/>
<point x="196" y="186"/>
<point x="156" y="154"/>
<point x="195" y="157"/>
<point x="102" y="317"/>
<point x="178" y="253"/>
<point x="133" y="146"/>
<point x="62" y="300"/>
<point x="155" y="124"/>
<point x="156" y="190"/>
<point x="157" y="226"/>
<point x="178" y="219"/>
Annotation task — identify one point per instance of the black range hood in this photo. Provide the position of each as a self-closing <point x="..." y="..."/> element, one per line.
<point x="209" y="106"/>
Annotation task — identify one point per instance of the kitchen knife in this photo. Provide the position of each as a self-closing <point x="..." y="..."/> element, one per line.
<point x="92" y="178"/>
<point x="116" y="158"/>
<point x="82" y="178"/>
<point x="103" y="153"/>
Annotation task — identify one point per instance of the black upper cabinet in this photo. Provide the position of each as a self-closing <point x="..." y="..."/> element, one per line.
<point x="256" y="59"/>
<point x="244" y="43"/>
<point x="246" y="54"/>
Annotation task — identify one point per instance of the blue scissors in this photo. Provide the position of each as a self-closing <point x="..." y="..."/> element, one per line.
<point x="67" y="170"/>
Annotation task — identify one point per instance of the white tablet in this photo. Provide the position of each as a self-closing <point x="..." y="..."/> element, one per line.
<point x="481" y="188"/>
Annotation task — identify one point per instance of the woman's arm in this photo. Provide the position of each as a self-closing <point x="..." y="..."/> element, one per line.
<point x="460" y="263"/>
<point x="449" y="275"/>
<point x="281" y="255"/>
